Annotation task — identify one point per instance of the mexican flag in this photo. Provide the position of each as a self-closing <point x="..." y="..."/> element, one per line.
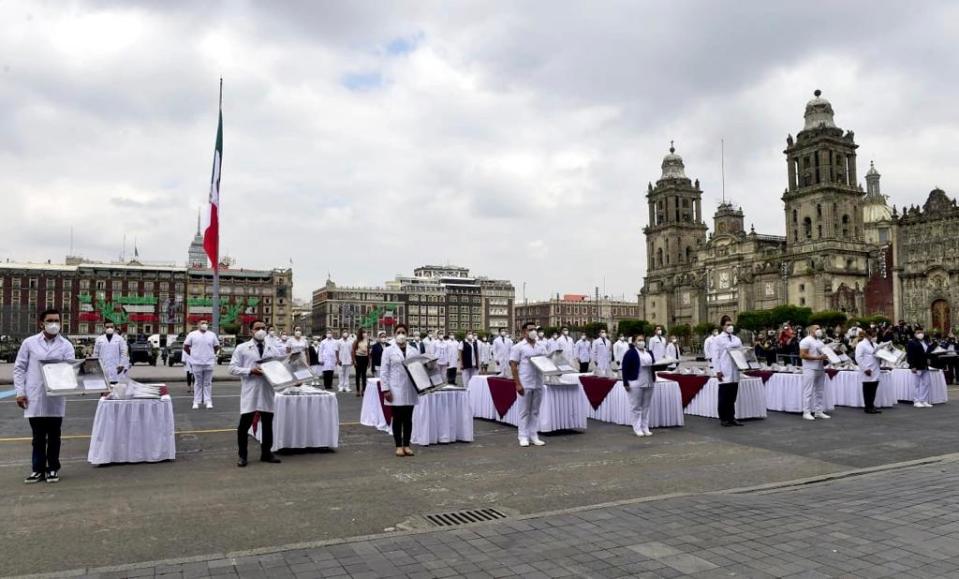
<point x="211" y="233"/>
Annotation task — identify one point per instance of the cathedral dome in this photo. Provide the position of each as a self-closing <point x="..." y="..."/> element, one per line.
<point x="673" y="167"/>
<point x="818" y="112"/>
<point x="875" y="212"/>
<point x="872" y="169"/>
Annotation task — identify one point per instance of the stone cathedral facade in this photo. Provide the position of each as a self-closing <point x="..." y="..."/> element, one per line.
<point x="843" y="248"/>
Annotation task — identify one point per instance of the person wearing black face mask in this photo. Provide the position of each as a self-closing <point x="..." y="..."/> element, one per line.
<point x="256" y="394"/>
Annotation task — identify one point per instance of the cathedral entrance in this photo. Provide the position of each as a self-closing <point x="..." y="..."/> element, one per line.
<point x="941" y="316"/>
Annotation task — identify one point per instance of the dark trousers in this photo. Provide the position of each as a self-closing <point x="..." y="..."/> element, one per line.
<point x="869" y="394"/>
<point x="362" y="362"/>
<point x="242" y="433"/>
<point x="327" y="379"/>
<point x="727" y="401"/>
<point x="583" y="367"/>
<point x="451" y="375"/>
<point x="402" y="425"/>
<point x="46" y="442"/>
<point x="189" y="379"/>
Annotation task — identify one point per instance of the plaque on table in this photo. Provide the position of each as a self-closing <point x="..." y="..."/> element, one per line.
<point x="301" y="369"/>
<point x="831" y="356"/>
<point x="279" y="372"/>
<point x="665" y="363"/>
<point x="424" y="373"/>
<point x="890" y="354"/>
<point x="63" y="377"/>
<point x="560" y="361"/>
<point x="744" y="358"/>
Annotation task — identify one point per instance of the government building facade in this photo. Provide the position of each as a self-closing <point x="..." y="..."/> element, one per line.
<point x="842" y="247"/>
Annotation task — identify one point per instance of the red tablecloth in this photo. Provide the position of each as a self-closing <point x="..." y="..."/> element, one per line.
<point x="764" y="374"/>
<point x="597" y="388"/>
<point x="689" y="384"/>
<point x="387" y="410"/>
<point x="831" y="372"/>
<point x="503" y="393"/>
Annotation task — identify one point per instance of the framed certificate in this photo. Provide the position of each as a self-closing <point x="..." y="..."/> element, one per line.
<point x="424" y="373"/>
<point x="63" y="377"/>
<point x="831" y="354"/>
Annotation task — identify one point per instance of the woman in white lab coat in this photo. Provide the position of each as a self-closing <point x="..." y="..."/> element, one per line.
<point x="398" y="389"/>
<point x="639" y="383"/>
<point x="868" y="369"/>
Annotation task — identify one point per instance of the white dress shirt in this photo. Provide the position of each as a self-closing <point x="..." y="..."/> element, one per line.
<point x="814" y="345"/>
<point x="529" y="376"/>
<point x="202" y="344"/>
<point x="395" y="379"/>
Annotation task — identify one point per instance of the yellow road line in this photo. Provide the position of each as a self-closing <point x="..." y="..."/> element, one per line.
<point x="207" y="431"/>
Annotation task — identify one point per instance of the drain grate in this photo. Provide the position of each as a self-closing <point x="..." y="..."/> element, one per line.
<point x="464" y="517"/>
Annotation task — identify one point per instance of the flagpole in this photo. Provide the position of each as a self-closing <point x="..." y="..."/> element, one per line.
<point x="216" y="266"/>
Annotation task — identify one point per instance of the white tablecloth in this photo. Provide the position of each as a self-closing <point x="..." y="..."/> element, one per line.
<point x="305" y="421"/>
<point x="784" y="393"/>
<point x="846" y="388"/>
<point x="750" y="401"/>
<point x="132" y="431"/>
<point x="904" y="383"/>
<point x="666" y="407"/>
<point x="564" y="406"/>
<point x="441" y="416"/>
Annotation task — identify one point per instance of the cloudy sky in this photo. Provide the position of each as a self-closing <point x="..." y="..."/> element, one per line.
<point x="363" y="139"/>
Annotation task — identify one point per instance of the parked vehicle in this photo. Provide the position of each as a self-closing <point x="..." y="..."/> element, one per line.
<point x="8" y="349"/>
<point x="174" y="353"/>
<point x="227" y="346"/>
<point x="142" y="350"/>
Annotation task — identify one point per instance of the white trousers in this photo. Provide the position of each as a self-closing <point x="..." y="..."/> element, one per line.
<point x="504" y="369"/>
<point x="344" y="385"/>
<point x="468" y="374"/>
<point x="529" y="404"/>
<point x="923" y="382"/>
<point x="203" y="387"/>
<point x="602" y="369"/>
<point x="813" y="390"/>
<point x="639" y="400"/>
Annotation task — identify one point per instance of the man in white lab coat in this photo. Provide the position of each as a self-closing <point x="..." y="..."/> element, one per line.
<point x="673" y="350"/>
<point x="256" y="394"/>
<point x="583" y="352"/>
<point x="202" y="345"/>
<point x="566" y="344"/>
<point x="328" y="350"/>
<point x="112" y="350"/>
<point x="485" y="353"/>
<point x="727" y="373"/>
<point x="501" y="349"/>
<point x="601" y="354"/>
<point x="619" y="350"/>
<point x="529" y="385"/>
<point x="868" y="369"/>
<point x="708" y="346"/>
<point x="44" y="413"/>
<point x="344" y="361"/>
<point x="657" y="344"/>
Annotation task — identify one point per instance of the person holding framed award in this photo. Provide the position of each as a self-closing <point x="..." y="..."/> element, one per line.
<point x="256" y="394"/>
<point x="727" y="372"/>
<point x="398" y="388"/>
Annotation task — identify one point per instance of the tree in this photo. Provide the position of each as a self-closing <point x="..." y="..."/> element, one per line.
<point x="681" y="331"/>
<point x="796" y="315"/>
<point x="703" y="328"/>
<point x="632" y="327"/>
<point x="828" y="318"/>
<point x="754" y="320"/>
<point x="593" y="329"/>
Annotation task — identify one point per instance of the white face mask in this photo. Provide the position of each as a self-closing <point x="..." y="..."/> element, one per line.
<point x="297" y="333"/>
<point x="673" y="340"/>
<point x="51" y="328"/>
<point x="470" y="337"/>
<point x="565" y="332"/>
<point x="818" y="333"/>
<point x="531" y="334"/>
<point x="346" y="336"/>
<point x="283" y="337"/>
<point x="715" y="332"/>
<point x="109" y="331"/>
<point x="273" y="332"/>
<point x="918" y="336"/>
<point x="602" y="335"/>
<point x="540" y="334"/>
<point x="659" y="332"/>
<point x="502" y="334"/>
<point x="203" y="327"/>
<point x="259" y="335"/>
<point x="400" y="338"/>
<point x="729" y="329"/>
<point x="329" y="336"/>
<point x="641" y="344"/>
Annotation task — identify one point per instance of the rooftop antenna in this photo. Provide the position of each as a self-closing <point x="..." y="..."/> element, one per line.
<point x="722" y="157"/>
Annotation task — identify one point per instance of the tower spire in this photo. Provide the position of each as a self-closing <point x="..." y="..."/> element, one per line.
<point x="198" y="221"/>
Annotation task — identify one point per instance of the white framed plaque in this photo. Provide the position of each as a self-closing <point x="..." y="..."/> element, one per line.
<point x="63" y="377"/>
<point x="424" y="373"/>
<point x="831" y="355"/>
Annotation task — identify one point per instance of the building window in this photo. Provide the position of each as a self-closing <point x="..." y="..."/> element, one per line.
<point x="845" y="225"/>
<point x="802" y="287"/>
<point x="802" y="301"/>
<point x="101" y="284"/>
<point x="807" y="227"/>
<point x="67" y="284"/>
<point x="795" y="216"/>
<point x="117" y="285"/>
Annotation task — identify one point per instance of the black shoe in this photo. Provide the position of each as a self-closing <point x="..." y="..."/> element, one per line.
<point x="737" y="423"/>
<point x="270" y="458"/>
<point x="34" y="477"/>
<point x="724" y="423"/>
<point x="53" y="476"/>
<point x="241" y="463"/>
<point x="873" y="411"/>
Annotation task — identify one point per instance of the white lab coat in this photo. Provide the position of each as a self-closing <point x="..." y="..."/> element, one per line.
<point x="28" y="380"/>
<point x="256" y="394"/>
<point x="484" y="352"/>
<point x="582" y="350"/>
<point x="672" y="350"/>
<point x="395" y="379"/>
<point x="344" y="349"/>
<point x="501" y="349"/>
<point x="866" y="360"/>
<point x="566" y="344"/>
<point x="722" y="361"/>
<point x="601" y="353"/>
<point x="657" y="347"/>
<point x="113" y="353"/>
<point x="708" y="348"/>
<point x="328" y="354"/>
<point x="619" y="350"/>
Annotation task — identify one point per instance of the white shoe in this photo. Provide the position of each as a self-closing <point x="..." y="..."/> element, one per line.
<point x="918" y="404"/>
<point x="807" y="416"/>
<point x="927" y="404"/>
<point x="822" y="414"/>
<point x="196" y="406"/>
<point x="209" y="406"/>
<point x="640" y="433"/>
<point x="538" y="442"/>
<point x="523" y="442"/>
<point x="647" y="432"/>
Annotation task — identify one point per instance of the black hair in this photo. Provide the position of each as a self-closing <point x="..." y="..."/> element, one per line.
<point x="252" y="323"/>
<point x="49" y="311"/>
<point x="399" y="326"/>
<point x="527" y="325"/>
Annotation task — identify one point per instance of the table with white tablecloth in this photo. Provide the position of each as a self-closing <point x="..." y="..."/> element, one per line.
<point x="750" y="399"/>
<point x="137" y="430"/>
<point x="441" y="416"/>
<point x="846" y="389"/>
<point x="784" y="393"/>
<point x="904" y="384"/>
<point x="304" y="421"/>
<point x="665" y="408"/>
<point x="564" y="406"/>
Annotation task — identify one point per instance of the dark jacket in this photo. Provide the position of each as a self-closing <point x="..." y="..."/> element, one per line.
<point x="916" y="355"/>
<point x="631" y="364"/>
<point x="376" y="354"/>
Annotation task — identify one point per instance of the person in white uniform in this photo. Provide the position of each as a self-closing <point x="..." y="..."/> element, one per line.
<point x="673" y="351"/>
<point x="328" y="350"/>
<point x="452" y="358"/>
<point x="601" y="354"/>
<point x="868" y="369"/>
<point x="657" y="344"/>
<point x="256" y="394"/>
<point x="619" y="350"/>
<point x="582" y="353"/>
<point x="529" y="385"/>
<point x="429" y="344"/>
<point x="44" y="413"/>
<point x="708" y="346"/>
<point x="727" y="373"/>
<point x="814" y="374"/>
<point x="297" y="345"/>
<point x="917" y="356"/>
<point x="202" y="345"/>
<point x="566" y="345"/>
<point x="112" y="350"/>
<point x="344" y="361"/>
<point x="469" y="357"/>
<point x="485" y="354"/>
<point x="398" y="389"/>
<point x="639" y="383"/>
<point x="502" y="346"/>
